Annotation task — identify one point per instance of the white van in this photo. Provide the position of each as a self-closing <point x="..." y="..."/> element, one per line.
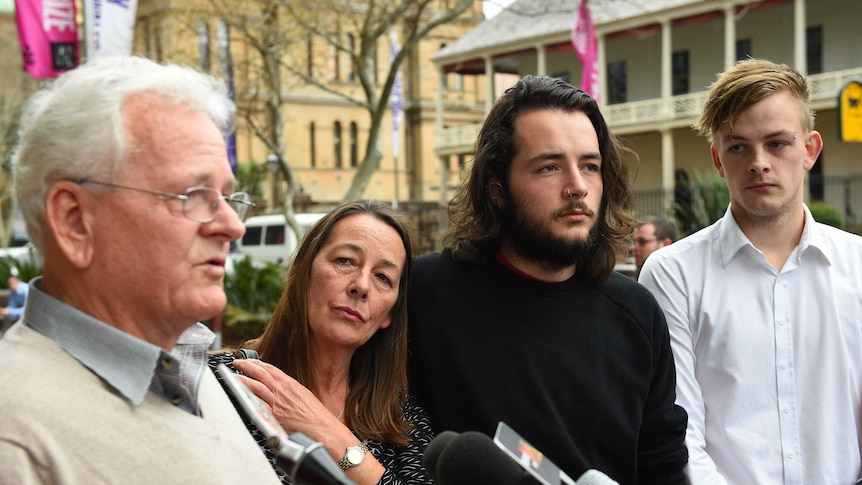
<point x="268" y="239"/>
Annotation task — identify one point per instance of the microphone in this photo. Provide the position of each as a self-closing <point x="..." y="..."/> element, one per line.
<point x="304" y="460"/>
<point x="471" y="458"/>
<point x="457" y="459"/>
<point x="538" y="465"/>
<point x="307" y="462"/>
<point x="431" y="456"/>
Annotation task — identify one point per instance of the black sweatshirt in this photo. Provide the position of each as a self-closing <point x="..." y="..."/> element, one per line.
<point x="582" y="371"/>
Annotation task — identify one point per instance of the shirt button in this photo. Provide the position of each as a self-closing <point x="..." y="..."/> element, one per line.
<point x="786" y="410"/>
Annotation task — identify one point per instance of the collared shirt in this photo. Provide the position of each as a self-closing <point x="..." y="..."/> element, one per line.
<point x="17" y="299"/>
<point x="130" y="365"/>
<point x="769" y="362"/>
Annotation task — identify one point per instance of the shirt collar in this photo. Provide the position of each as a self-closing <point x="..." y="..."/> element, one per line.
<point x="814" y="239"/>
<point x="733" y="239"/>
<point x="125" y="362"/>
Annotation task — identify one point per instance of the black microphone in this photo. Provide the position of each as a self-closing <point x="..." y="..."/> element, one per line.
<point x="307" y="462"/>
<point x="431" y="456"/>
<point x="539" y="466"/>
<point x="472" y="458"/>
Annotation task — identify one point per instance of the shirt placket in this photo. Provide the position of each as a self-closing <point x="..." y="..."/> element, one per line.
<point x="788" y="409"/>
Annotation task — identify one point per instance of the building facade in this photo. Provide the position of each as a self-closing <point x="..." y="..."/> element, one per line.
<point x="324" y="132"/>
<point x="656" y="61"/>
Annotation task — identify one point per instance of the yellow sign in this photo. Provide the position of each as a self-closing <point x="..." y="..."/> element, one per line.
<point x="850" y="111"/>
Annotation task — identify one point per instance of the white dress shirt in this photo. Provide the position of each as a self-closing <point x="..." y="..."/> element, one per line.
<point x="769" y="363"/>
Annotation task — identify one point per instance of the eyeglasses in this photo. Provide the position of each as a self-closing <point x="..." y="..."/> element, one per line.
<point x="639" y="241"/>
<point x="200" y="203"/>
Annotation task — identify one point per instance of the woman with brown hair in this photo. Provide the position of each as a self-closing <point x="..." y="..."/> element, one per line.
<point x="333" y="358"/>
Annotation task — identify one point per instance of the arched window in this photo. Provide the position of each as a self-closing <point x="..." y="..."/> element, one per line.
<point x="354" y="145"/>
<point x="444" y="79"/>
<point x="336" y="69"/>
<point x="336" y="137"/>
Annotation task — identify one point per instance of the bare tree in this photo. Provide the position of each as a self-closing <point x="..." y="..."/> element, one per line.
<point x="274" y="34"/>
<point x="264" y="40"/>
<point x="369" y="24"/>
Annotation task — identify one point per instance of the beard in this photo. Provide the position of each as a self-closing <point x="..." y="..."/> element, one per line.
<point x="532" y="239"/>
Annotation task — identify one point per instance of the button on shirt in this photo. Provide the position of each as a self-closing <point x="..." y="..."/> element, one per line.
<point x="769" y="363"/>
<point x="130" y="365"/>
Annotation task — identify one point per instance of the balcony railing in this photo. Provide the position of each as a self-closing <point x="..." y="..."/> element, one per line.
<point x="457" y="139"/>
<point x="824" y="92"/>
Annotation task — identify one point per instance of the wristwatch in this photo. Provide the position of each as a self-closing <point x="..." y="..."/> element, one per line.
<point x="353" y="456"/>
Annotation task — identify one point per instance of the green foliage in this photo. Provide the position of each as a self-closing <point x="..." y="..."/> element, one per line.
<point x="28" y="267"/>
<point x="252" y="293"/>
<point x="250" y="176"/>
<point x="708" y="203"/>
<point x="827" y="214"/>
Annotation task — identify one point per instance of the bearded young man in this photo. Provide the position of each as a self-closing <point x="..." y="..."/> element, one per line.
<point x="521" y="318"/>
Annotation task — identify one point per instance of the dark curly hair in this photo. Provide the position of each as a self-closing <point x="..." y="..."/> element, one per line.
<point x="476" y="223"/>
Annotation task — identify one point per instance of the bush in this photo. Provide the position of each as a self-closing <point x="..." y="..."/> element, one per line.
<point x="26" y="265"/>
<point x="708" y="204"/>
<point x="252" y="293"/>
<point x="827" y="214"/>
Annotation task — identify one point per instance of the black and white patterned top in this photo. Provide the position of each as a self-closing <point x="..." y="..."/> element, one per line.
<point x="403" y="463"/>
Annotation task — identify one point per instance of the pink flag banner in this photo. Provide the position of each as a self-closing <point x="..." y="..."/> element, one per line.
<point x="584" y="42"/>
<point x="49" y="36"/>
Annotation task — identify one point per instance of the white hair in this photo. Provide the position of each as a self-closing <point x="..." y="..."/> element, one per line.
<point x="74" y="127"/>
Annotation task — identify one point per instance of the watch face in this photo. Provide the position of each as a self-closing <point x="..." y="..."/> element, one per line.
<point x="355" y="455"/>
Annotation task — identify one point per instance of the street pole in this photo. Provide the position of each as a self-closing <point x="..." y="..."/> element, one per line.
<point x="272" y="163"/>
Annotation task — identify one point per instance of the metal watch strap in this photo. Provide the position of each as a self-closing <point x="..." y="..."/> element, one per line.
<point x="346" y="463"/>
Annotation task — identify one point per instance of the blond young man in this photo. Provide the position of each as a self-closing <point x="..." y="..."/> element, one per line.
<point x="763" y="306"/>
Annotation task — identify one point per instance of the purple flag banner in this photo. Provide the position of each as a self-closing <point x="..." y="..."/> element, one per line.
<point x="223" y="37"/>
<point x="396" y="97"/>
<point x="48" y="35"/>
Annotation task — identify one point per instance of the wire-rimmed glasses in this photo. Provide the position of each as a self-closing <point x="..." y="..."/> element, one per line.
<point x="200" y="203"/>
